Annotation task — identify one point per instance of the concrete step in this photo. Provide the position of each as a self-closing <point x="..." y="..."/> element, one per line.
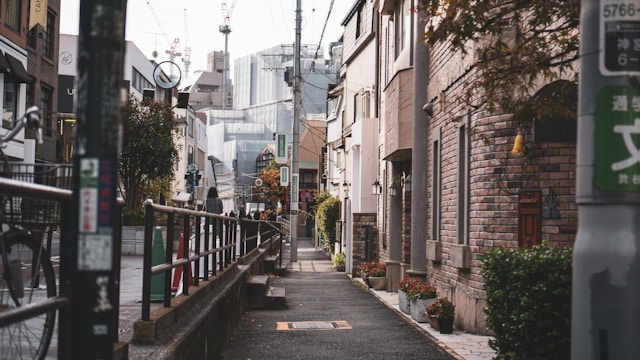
<point x="260" y="295"/>
<point x="270" y="264"/>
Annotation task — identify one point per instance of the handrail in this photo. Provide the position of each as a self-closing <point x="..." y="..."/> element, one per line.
<point x="219" y="241"/>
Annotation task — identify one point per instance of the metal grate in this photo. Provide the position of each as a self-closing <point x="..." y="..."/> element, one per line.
<point x="314" y="325"/>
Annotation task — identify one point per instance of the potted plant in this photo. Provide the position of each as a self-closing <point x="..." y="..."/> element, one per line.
<point x="374" y="274"/>
<point x="406" y="285"/>
<point x="444" y="311"/>
<point x="420" y="297"/>
<point x="339" y="261"/>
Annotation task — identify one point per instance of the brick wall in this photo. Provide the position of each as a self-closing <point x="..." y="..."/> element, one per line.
<point x="362" y="221"/>
<point x="496" y="177"/>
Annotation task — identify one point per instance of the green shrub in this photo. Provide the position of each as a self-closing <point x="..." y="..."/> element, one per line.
<point x="327" y="216"/>
<point x="529" y="301"/>
<point x="133" y="217"/>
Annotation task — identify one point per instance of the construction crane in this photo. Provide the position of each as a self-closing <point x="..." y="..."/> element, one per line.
<point x="186" y="59"/>
<point x="173" y="51"/>
<point x="225" y="29"/>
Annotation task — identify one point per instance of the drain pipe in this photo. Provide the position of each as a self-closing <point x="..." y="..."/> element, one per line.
<point x="419" y="149"/>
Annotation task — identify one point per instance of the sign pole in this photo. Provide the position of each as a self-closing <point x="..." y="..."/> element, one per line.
<point x="605" y="321"/>
<point x="92" y="285"/>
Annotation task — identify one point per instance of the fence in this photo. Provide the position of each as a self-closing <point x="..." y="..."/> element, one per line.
<point x="217" y="240"/>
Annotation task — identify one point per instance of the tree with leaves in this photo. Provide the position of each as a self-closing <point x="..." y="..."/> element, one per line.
<point x="517" y="47"/>
<point x="149" y="154"/>
<point x="270" y="191"/>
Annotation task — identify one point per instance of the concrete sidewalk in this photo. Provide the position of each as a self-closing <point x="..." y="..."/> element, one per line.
<point x="465" y="346"/>
<point x="316" y="292"/>
<point x="322" y="302"/>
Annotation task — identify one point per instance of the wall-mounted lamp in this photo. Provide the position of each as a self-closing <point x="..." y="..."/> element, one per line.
<point x="345" y="188"/>
<point x="520" y="147"/>
<point x="392" y="189"/>
<point x="400" y="182"/>
<point x="407" y="183"/>
<point x="376" y="189"/>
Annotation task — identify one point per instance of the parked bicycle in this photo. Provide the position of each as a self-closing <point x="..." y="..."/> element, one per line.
<point x="26" y="272"/>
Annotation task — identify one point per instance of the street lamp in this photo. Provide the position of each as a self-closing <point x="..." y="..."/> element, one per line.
<point x="407" y="183"/>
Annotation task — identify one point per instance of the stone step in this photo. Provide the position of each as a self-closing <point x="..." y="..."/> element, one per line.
<point x="260" y="295"/>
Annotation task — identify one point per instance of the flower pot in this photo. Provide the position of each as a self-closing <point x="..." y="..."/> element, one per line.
<point x="418" y="307"/>
<point x="378" y="282"/>
<point x="433" y="321"/>
<point x="446" y="325"/>
<point x="403" y="302"/>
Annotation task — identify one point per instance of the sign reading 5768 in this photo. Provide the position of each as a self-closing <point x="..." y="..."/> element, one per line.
<point x="619" y="37"/>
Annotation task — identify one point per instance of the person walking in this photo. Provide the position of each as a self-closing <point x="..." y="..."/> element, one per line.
<point x="214" y="206"/>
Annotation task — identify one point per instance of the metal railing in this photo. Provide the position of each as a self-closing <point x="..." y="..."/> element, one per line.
<point x="217" y="242"/>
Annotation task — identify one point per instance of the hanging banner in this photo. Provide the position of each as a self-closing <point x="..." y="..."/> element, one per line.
<point x="38" y="13"/>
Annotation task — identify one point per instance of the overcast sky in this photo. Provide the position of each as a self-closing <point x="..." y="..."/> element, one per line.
<point x="255" y="25"/>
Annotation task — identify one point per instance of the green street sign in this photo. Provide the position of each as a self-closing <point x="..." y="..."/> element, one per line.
<point x="284" y="176"/>
<point x="281" y="148"/>
<point x="617" y="139"/>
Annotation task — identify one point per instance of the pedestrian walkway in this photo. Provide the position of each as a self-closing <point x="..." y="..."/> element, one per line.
<point x="329" y="316"/>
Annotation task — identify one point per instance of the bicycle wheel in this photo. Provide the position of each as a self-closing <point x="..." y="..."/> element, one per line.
<point x="26" y="277"/>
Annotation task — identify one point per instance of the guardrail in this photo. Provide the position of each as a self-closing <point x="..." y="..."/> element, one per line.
<point x="217" y="242"/>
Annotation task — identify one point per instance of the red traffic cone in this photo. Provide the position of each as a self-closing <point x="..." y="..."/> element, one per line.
<point x="177" y="274"/>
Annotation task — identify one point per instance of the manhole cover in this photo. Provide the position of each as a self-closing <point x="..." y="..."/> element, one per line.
<point x="314" y="325"/>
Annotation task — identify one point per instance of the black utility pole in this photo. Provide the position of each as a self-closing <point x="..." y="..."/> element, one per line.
<point x="92" y="286"/>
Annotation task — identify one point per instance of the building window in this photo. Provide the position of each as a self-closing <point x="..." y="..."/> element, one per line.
<point x="49" y="36"/>
<point x="190" y="125"/>
<point x="436" y="183"/>
<point x="399" y="27"/>
<point x="12" y="14"/>
<point x="46" y="105"/>
<point x="360" y="19"/>
<point x="139" y="82"/>
<point x="463" y="187"/>
<point x="190" y="159"/>
<point x="9" y="101"/>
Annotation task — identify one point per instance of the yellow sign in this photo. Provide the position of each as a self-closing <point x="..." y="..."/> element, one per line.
<point x="38" y="14"/>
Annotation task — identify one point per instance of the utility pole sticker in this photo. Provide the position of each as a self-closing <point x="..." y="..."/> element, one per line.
<point x="619" y="37"/>
<point x="95" y="232"/>
<point x="617" y="139"/>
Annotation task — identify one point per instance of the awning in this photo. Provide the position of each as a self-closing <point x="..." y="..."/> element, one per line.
<point x="4" y="64"/>
<point x="181" y="196"/>
<point x="17" y="69"/>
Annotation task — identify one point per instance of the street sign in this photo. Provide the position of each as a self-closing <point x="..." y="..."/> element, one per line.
<point x="617" y="139"/>
<point x="619" y="37"/>
<point x="281" y="148"/>
<point x="284" y="176"/>
<point x="294" y="191"/>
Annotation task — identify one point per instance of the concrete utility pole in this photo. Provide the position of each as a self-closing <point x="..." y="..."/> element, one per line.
<point x="605" y="310"/>
<point x="293" y="253"/>
<point x="88" y="322"/>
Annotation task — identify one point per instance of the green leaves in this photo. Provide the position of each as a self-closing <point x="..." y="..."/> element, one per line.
<point x="529" y="301"/>
<point x="516" y="45"/>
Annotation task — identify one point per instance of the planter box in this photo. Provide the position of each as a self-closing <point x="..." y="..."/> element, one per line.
<point x="418" y="307"/>
<point x="403" y="302"/>
<point x="378" y="282"/>
<point x="433" y="321"/>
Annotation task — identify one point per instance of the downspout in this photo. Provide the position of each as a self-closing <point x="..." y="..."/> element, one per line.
<point x="419" y="150"/>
